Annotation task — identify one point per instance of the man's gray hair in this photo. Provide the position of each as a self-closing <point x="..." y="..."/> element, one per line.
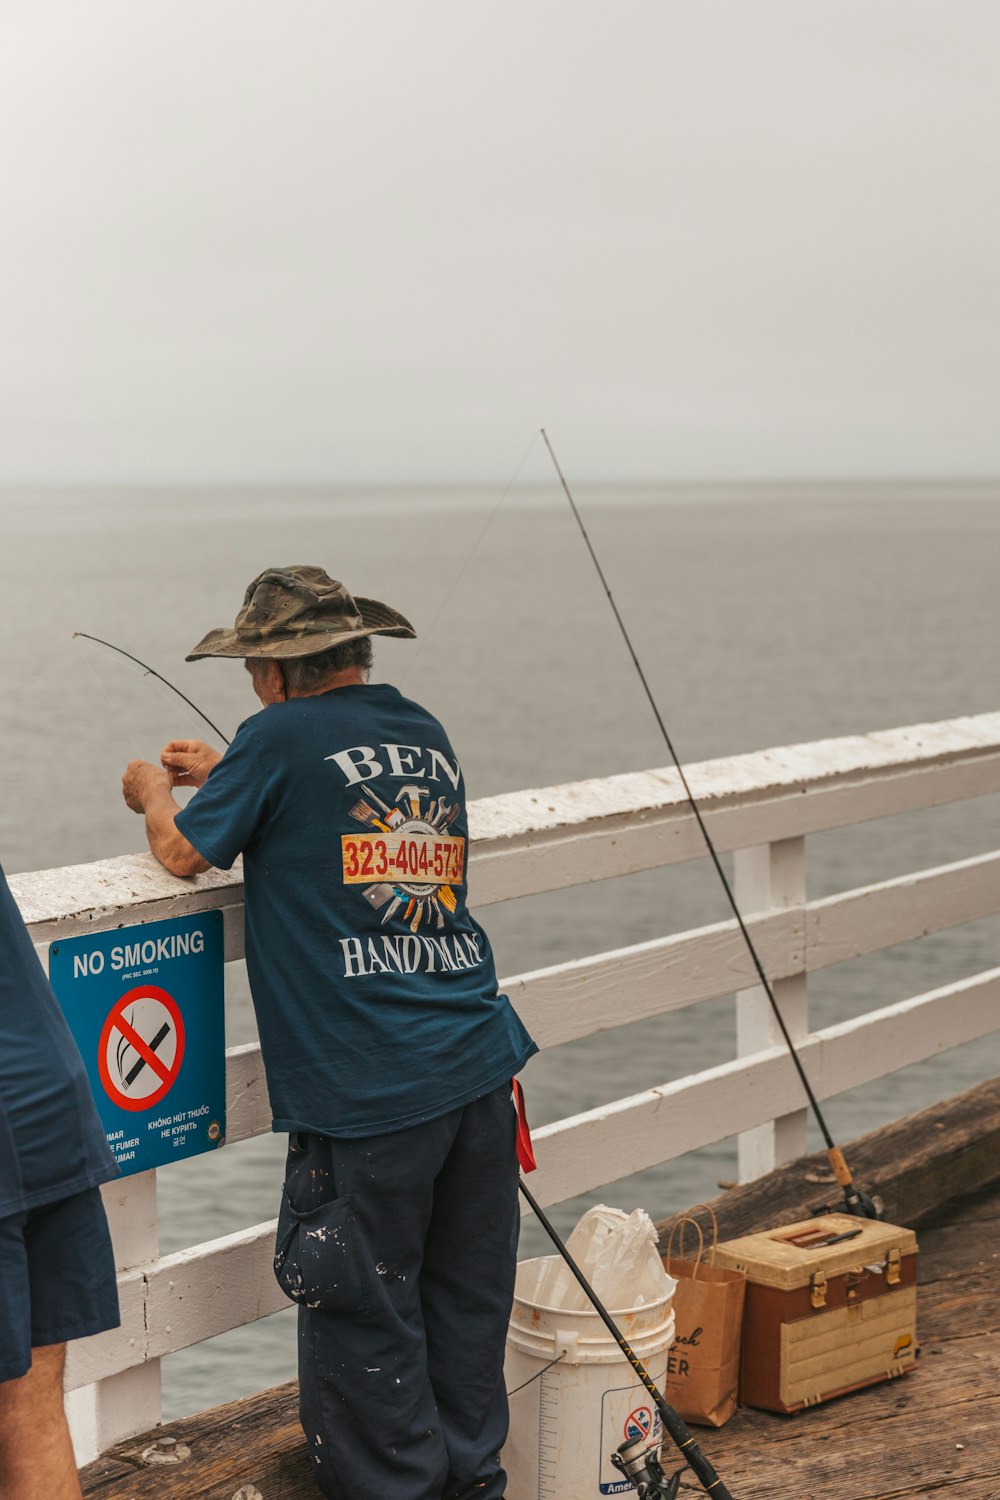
<point x="304" y="674"/>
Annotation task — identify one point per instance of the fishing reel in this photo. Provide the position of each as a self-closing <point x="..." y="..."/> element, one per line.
<point x="861" y="1205"/>
<point x="638" y="1461"/>
<point x="856" y="1202"/>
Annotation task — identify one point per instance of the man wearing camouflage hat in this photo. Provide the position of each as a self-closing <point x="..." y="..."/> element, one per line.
<point x="389" y="1053"/>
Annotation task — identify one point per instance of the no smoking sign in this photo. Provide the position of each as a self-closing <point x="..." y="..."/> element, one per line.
<point x="141" y="1048"/>
<point x="145" y="1005"/>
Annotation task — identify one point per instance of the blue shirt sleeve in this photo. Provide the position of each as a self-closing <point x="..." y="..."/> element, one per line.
<point x="223" y="816"/>
<point x="52" y="1144"/>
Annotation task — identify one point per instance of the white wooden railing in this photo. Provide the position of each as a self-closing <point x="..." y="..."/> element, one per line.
<point x="761" y="806"/>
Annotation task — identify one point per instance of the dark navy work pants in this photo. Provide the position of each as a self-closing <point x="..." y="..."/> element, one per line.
<point x="400" y="1252"/>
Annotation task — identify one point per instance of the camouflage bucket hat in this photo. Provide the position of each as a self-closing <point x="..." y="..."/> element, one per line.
<point x="299" y="611"/>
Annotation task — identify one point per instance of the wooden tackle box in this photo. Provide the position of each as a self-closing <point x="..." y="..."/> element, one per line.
<point x="820" y="1318"/>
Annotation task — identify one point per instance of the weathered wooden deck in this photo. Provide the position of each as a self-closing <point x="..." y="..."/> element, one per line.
<point x="934" y="1432"/>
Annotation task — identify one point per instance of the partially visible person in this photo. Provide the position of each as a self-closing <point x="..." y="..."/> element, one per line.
<point x="57" y="1268"/>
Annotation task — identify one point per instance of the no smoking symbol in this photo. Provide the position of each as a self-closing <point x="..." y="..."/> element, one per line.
<point x="142" y="1047"/>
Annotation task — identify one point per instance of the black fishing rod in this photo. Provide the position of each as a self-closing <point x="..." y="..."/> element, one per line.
<point x="637" y="1459"/>
<point x="152" y="672"/>
<point x="856" y="1202"/>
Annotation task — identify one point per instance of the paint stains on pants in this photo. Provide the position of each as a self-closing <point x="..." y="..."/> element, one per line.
<point x="400" y="1251"/>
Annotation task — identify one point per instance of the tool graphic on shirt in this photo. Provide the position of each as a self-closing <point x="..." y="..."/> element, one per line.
<point x="416" y="862"/>
<point x="141" y="1048"/>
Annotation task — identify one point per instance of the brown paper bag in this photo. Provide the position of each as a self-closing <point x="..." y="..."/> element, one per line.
<point x="704" y="1362"/>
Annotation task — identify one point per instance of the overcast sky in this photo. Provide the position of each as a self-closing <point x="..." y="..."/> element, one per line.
<point x="280" y="241"/>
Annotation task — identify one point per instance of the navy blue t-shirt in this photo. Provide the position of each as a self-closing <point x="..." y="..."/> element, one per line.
<point x="375" y="990"/>
<point x="51" y="1141"/>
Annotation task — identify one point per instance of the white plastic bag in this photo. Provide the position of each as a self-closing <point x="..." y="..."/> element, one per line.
<point x="618" y="1254"/>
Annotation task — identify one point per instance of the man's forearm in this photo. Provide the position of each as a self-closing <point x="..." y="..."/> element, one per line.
<point x="166" y="841"/>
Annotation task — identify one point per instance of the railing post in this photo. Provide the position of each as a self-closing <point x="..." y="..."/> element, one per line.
<point x="122" y="1405"/>
<point x="770" y="876"/>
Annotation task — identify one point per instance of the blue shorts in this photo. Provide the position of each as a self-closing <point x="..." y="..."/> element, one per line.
<point x="57" y="1278"/>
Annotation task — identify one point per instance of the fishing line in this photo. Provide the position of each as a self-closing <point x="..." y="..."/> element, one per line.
<point x="426" y="634"/>
<point x="537" y="1376"/>
<point x="152" y="672"/>
<point x="634" y="1459"/>
<point x="184" y="713"/>
<point x="159" y="683"/>
<point x="856" y="1202"/>
<point x="113" y="705"/>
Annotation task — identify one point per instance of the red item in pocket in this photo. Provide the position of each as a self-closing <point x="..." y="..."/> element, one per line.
<point x="525" y="1154"/>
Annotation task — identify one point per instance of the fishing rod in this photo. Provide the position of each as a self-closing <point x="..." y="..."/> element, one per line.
<point x="637" y="1458"/>
<point x="152" y="672"/>
<point x="856" y="1202"/>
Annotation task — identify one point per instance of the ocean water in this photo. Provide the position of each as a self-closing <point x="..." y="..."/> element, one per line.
<point x="762" y="617"/>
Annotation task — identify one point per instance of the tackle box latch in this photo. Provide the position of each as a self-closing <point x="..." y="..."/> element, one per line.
<point x="893" y="1270"/>
<point x="817" y="1289"/>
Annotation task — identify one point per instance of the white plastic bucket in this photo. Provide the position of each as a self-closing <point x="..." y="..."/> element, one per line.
<point x="566" y="1421"/>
